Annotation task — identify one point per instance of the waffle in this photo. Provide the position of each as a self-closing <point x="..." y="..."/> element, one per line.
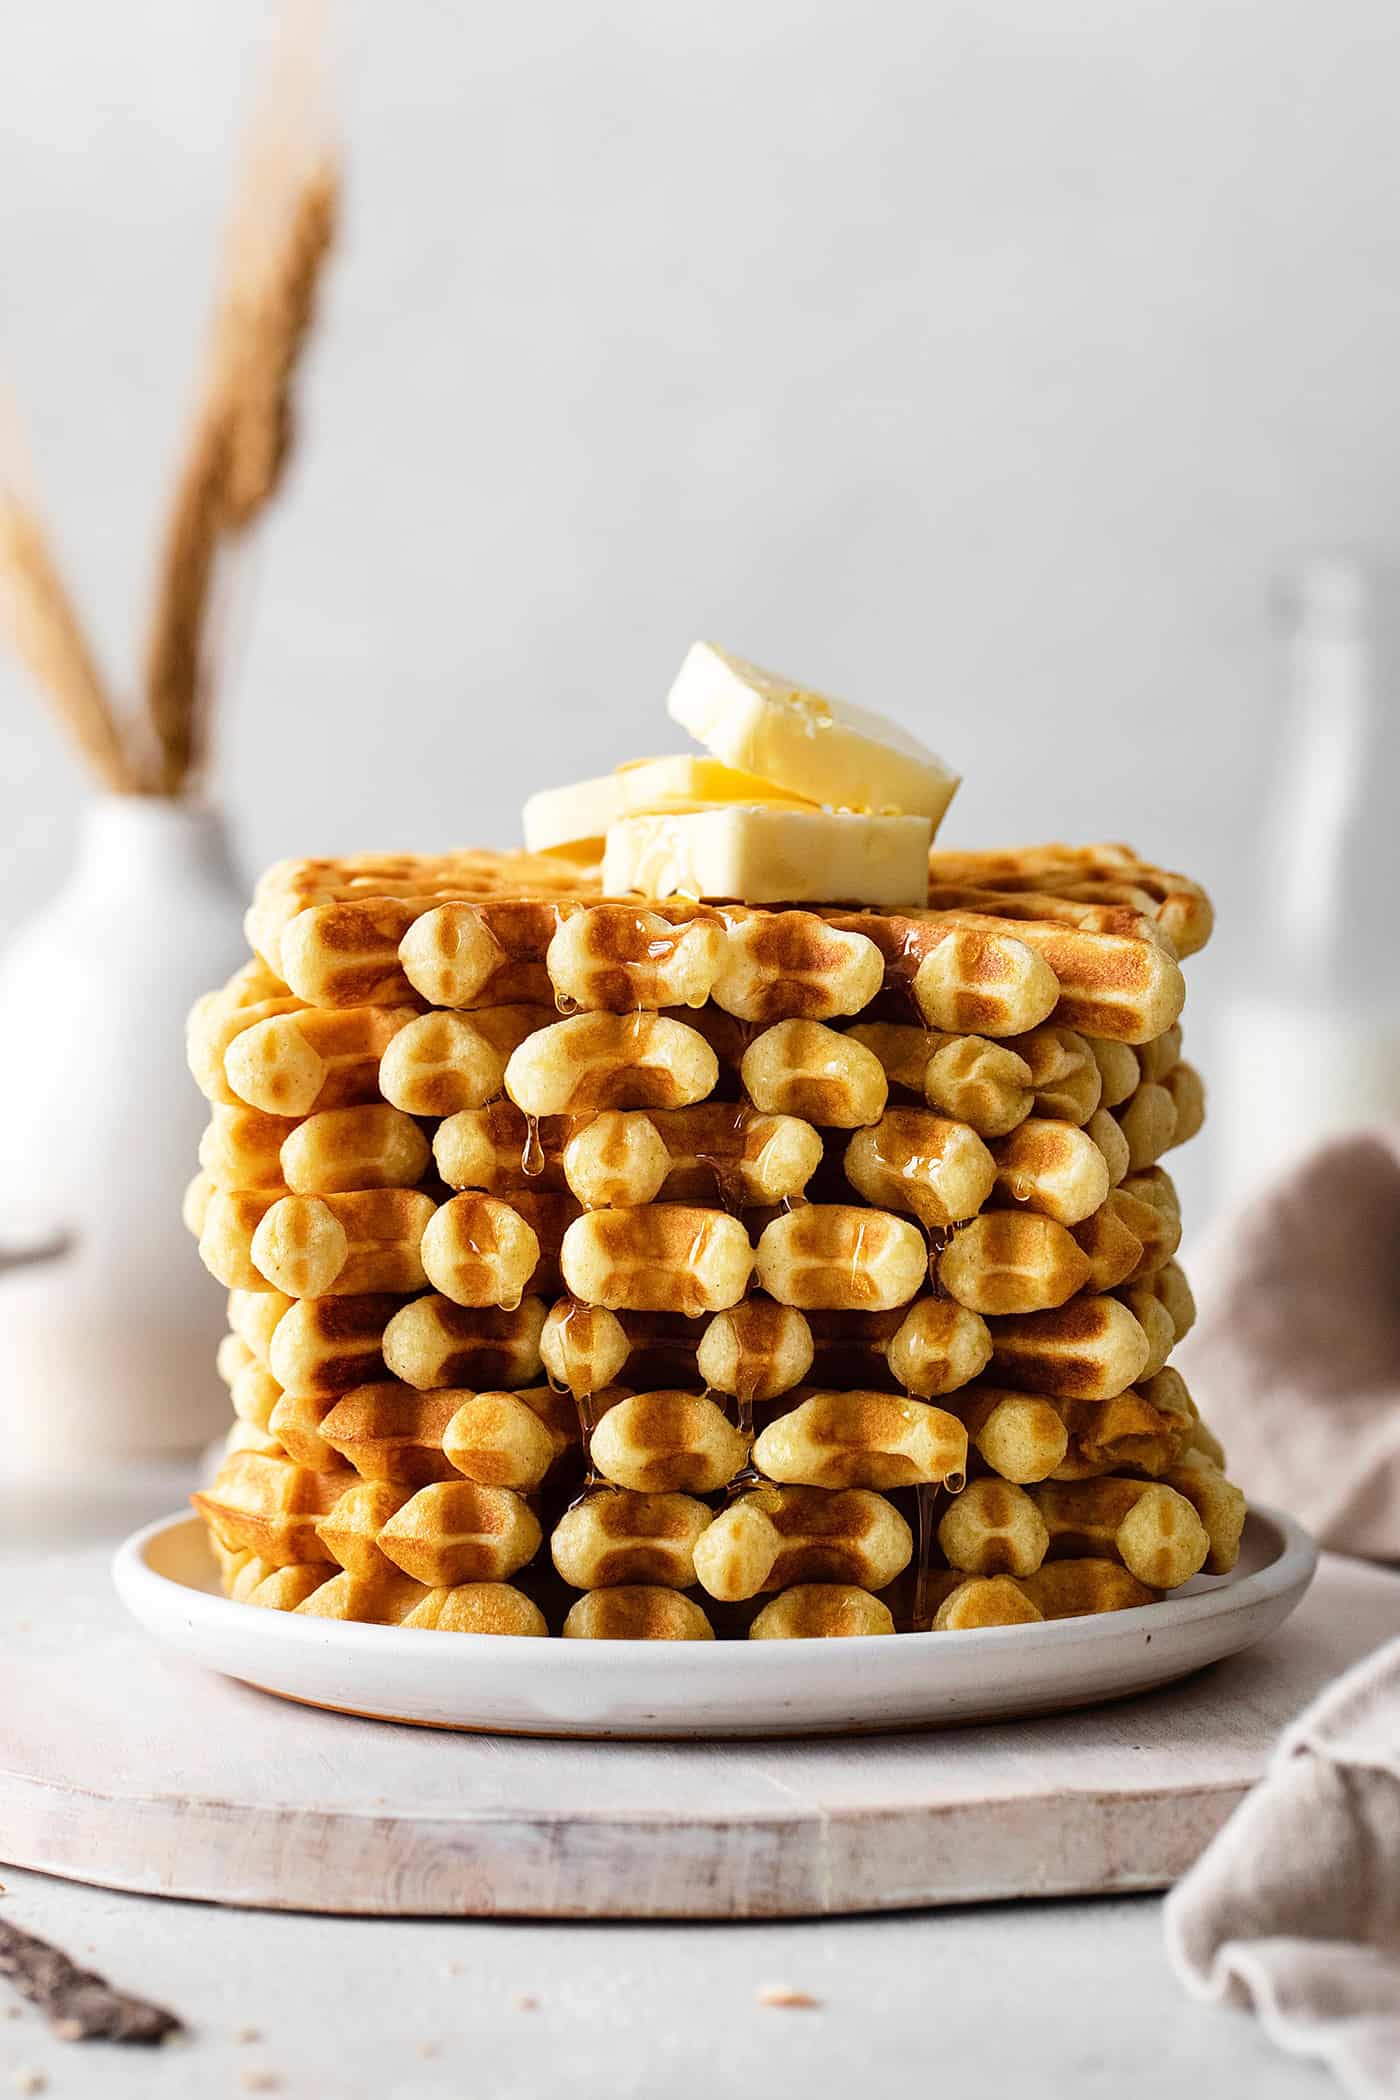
<point x="663" y="1442"/>
<point x="621" y="1537"/>
<point x="771" y="1538"/>
<point x="475" y="929"/>
<point x="320" y="1590"/>
<point x="636" y="1612"/>
<point x="821" y="1611"/>
<point x="1063" y="1589"/>
<point x="633" y="1270"/>
<point x="996" y="1528"/>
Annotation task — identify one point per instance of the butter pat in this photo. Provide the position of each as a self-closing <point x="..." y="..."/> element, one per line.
<point x="575" y="817"/>
<point x="570" y="818"/>
<point x="769" y="855"/>
<point x="826" y="750"/>
<point x="692" y="776"/>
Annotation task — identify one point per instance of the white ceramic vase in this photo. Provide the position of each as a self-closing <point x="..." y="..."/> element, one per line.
<point x="108" y="1321"/>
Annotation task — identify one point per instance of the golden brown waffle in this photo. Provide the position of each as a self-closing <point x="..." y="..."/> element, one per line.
<point x="666" y="1251"/>
<point x="821" y="1611"/>
<point x="636" y="1612"/>
<point x="1054" y="876"/>
<point x="475" y="929"/>
<point x="386" y="1598"/>
<point x="996" y="1528"/>
<point x="861" y="1439"/>
<point x="771" y="1537"/>
<point x="617" y="1537"/>
<point x="1063" y="1589"/>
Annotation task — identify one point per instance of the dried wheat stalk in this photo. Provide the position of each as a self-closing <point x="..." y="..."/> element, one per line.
<point x="270" y="339"/>
<point x="282" y="228"/>
<point x="43" y="628"/>
<point x="175" y="669"/>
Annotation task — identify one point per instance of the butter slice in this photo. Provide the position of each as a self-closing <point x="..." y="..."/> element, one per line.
<point x="829" y="751"/>
<point x="761" y="854"/>
<point x="573" y="818"/>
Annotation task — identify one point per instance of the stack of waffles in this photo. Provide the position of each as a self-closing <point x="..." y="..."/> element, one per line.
<point x="621" y="1268"/>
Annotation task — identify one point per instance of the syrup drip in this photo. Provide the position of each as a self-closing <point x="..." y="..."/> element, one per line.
<point x="587" y="1423"/>
<point x="939" y="1238"/>
<point x="532" y="1157"/>
<point x="901" y="971"/>
<point x="585" y="1410"/>
<point x="745" y="1384"/>
<point x="484" y="1250"/>
<point x="748" y="1475"/>
<point x="859" y="1280"/>
<point x="894" y="1154"/>
<point x="729" y="1164"/>
<point x="690" y="1294"/>
<point x="926" y="1504"/>
<point x="731" y="1192"/>
<point x="572" y="1384"/>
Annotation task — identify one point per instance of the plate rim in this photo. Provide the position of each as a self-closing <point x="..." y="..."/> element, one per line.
<point x="144" y="1590"/>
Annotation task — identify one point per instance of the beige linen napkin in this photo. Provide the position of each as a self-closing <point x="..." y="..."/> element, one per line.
<point x="1294" y="1909"/>
<point x="1295" y="1362"/>
<point x="1295" y="1359"/>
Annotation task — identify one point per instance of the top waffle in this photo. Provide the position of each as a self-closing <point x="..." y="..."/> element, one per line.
<point x="1090" y="937"/>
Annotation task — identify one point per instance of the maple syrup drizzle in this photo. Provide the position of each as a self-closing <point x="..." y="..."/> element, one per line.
<point x="532" y="1156"/>
<point x="745" y="1386"/>
<point x="585" y="1412"/>
<point x="728" y="1164"/>
<point x="925" y="1504"/>
<point x="743" y="1418"/>
<point x="859" y="1280"/>
<point x="570" y="1383"/>
<point x="592" y="1480"/>
<point x="901" y="970"/>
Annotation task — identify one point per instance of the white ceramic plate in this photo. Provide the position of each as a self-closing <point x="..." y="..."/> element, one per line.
<point x="505" y="1684"/>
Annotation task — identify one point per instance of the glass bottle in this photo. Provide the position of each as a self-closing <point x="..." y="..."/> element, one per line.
<point x="1311" y="1042"/>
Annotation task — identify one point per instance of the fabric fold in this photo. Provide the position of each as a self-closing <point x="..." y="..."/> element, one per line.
<point x="1294" y="1910"/>
<point x="1295" y="1358"/>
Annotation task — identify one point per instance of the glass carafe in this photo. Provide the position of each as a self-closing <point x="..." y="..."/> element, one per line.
<point x="1311" y="1039"/>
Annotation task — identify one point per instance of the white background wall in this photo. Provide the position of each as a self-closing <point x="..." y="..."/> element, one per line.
<point x="980" y="361"/>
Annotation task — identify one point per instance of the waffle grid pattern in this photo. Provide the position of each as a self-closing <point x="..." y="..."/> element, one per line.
<point x="671" y="1271"/>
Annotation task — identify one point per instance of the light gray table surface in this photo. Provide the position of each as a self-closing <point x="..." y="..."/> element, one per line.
<point x="1045" y="1998"/>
